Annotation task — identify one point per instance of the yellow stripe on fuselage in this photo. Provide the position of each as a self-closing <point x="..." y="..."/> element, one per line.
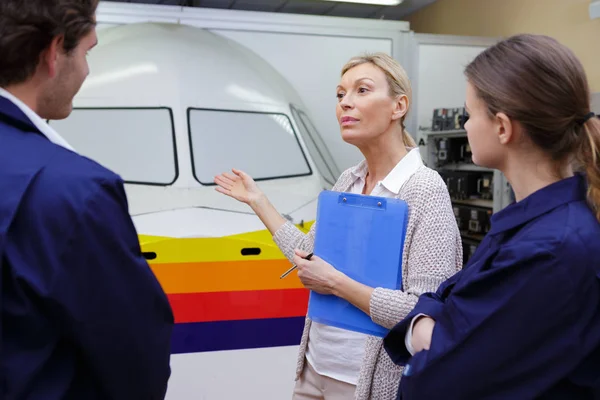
<point x="202" y="265"/>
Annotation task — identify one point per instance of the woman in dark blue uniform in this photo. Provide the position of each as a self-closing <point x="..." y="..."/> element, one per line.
<point x="522" y="320"/>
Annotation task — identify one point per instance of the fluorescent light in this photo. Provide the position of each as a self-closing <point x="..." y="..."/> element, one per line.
<point x="377" y="2"/>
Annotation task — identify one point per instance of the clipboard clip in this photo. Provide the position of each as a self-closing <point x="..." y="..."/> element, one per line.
<point x="357" y="200"/>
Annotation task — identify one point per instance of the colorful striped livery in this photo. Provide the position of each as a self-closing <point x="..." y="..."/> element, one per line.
<point x="226" y="293"/>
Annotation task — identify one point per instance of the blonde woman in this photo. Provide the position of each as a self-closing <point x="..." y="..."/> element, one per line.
<point x="373" y="100"/>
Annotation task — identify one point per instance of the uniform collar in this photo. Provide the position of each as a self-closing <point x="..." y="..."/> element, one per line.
<point x="398" y="176"/>
<point x="26" y="119"/>
<point x="544" y="200"/>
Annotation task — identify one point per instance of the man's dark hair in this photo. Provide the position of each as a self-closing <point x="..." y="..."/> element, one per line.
<point x="27" y="27"/>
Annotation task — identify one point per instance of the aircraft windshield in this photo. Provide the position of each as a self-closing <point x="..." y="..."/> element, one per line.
<point x="316" y="147"/>
<point x="136" y="143"/>
<point x="264" y="145"/>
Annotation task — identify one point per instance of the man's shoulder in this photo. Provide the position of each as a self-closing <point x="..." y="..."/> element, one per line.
<point x="47" y="174"/>
<point x="75" y="169"/>
<point x="57" y="190"/>
<point x="62" y="182"/>
<point x="71" y="179"/>
<point x="31" y="151"/>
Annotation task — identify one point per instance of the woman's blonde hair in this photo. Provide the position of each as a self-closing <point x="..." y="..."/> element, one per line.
<point x="397" y="80"/>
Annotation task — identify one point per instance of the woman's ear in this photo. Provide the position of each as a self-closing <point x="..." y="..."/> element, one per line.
<point x="400" y="107"/>
<point x="505" y="128"/>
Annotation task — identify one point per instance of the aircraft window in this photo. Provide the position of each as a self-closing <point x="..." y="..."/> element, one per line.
<point x="136" y="143"/>
<point x="316" y="147"/>
<point x="264" y="145"/>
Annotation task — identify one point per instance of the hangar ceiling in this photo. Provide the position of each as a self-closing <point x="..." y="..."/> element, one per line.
<point x="310" y="7"/>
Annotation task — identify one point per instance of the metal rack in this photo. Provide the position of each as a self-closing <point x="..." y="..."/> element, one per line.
<point x="501" y="195"/>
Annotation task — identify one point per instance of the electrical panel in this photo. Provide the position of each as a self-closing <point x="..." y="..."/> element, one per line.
<point x="476" y="192"/>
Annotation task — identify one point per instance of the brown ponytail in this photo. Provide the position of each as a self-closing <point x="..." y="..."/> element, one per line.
<point x="588" y="156"/>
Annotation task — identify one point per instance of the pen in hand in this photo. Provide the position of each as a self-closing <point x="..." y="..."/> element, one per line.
<point x="286" y="273"/>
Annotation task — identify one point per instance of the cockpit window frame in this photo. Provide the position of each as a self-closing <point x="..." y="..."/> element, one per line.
<point x="300" y="120"/>
<point x="270" y="178"/>
<point x="173" y="138"/>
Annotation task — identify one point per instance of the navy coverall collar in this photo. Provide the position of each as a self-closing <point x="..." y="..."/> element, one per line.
<point x="544" y="200"/>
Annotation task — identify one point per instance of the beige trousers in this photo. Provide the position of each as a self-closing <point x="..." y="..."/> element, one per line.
<point x="312" y="386"/>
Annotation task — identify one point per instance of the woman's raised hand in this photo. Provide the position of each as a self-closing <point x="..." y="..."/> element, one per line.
<point x="239" y="186"/>
<point x="242" y="187"/>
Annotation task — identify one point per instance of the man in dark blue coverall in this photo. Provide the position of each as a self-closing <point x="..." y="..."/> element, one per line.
<point x="83" y="316"/>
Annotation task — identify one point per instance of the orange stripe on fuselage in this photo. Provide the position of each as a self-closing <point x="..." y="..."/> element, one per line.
<point x="225" y="276"/>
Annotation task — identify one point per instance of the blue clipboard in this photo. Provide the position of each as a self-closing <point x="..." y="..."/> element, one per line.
<point x="363" y="237"/>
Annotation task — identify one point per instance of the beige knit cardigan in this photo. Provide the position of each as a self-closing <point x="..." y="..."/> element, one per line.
<point x="432" y="253"/>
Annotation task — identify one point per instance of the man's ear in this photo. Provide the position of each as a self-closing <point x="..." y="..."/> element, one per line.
<point x="401" y="107"/>
<point x="51" y="55"/>
<point x="505" y="128"/>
